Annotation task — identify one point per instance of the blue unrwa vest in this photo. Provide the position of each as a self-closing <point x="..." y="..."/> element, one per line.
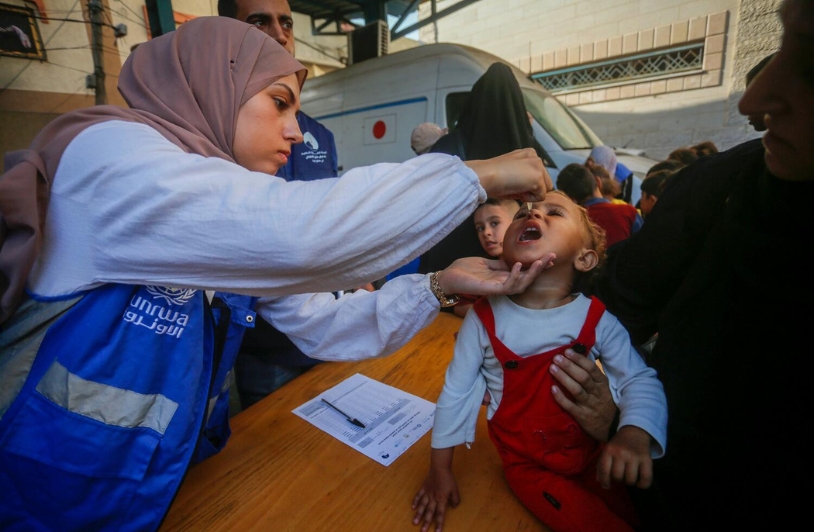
<point x="315" y="157"/>
<point x="128" y="387"/>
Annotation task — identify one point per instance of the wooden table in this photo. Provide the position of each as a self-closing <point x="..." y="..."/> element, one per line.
<point x="278" y="472"/>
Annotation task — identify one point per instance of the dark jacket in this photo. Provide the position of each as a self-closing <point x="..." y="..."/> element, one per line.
<point x="718" y="271"/>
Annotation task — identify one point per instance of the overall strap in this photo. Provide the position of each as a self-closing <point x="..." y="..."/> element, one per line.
<point x="587" y="336"/>
<point x="484" y="311"/>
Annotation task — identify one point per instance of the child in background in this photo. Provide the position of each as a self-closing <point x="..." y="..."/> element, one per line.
<point x="492" y="217"/>
<point x="609" y="186"/>
<point x="652" y="187"/>
<point x="570" y="481"/>
<point x="619" y="221"/>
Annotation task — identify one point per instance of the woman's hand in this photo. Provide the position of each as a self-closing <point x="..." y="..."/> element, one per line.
<point x="519" y="174"/>
<point x="592" y="405"/>
<point x="484" y="277"/>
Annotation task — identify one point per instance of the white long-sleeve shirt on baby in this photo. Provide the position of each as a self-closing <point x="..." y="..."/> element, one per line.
<point x="474" y="368"/>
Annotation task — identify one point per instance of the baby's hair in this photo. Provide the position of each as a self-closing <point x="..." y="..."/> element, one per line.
<point x="597" y="241"/>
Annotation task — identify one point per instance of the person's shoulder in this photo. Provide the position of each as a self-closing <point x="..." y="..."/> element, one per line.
<point x="124" y="126"/>
<point x="113" y="134"/>
<point x="714" y="175"/>
<point x="630" y="209"/>
<point x="739" y="156"/>
<point x="593" y="202"/>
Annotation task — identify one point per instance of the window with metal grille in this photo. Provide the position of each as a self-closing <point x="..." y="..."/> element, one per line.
<point x="673" y="60"/>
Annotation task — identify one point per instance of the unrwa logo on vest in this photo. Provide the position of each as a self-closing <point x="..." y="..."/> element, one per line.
<point x="173" y="296"/>
<point x="309" y="140"/>
<point x="150" y="314"/>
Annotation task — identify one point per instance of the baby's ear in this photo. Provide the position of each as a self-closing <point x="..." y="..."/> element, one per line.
<point x="586" y="260"/>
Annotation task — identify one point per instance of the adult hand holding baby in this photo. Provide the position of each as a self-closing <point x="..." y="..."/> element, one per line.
<point x="476" y="275"/>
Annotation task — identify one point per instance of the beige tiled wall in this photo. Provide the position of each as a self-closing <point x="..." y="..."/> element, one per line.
<point x="710" y="28"/>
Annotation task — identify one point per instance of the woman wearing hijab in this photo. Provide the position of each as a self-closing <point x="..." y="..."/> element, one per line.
<point x="148" y="239"/>
<point x="605" y="157"/>
<point x="494" y="121"/>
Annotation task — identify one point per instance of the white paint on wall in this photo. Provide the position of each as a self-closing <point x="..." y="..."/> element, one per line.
<point x="525" y="32"/>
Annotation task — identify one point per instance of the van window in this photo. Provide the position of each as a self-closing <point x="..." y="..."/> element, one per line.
<point x="570" y="132"/>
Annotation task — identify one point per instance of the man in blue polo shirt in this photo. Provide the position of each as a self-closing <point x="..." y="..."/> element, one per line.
<point x="268" y="359"/>
<point x="315" y="157"/>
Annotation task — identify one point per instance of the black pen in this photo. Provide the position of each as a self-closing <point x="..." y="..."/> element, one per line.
<point x="351" y="419"/>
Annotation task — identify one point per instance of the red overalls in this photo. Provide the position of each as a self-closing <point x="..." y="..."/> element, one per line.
<point x="548" y="460"/>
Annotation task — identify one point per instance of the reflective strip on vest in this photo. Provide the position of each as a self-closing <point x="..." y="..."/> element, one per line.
<point x="227" y="382"/>
<point x="104" y="403"/>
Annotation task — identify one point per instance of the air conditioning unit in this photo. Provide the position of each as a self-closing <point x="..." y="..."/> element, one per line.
<point x="369" y="41"/>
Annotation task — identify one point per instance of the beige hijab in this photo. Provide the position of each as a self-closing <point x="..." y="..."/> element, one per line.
<point x="187" y="84"/>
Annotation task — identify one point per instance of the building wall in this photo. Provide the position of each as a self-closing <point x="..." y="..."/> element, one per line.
<point x="656" y="115"/>
<point x="33" y="92"/>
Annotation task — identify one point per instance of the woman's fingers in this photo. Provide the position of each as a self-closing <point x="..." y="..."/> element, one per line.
<point x="519" y="174"/>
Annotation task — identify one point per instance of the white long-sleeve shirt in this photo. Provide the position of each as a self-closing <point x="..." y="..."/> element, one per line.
<point x="128" y="206"/>
<point x="474" y="368"/>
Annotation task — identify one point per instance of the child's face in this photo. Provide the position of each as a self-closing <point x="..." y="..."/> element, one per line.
<point x="551" y="226"/>
<point x="491" y="222"/>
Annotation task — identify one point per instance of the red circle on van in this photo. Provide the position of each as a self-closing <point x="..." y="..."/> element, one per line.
<point x="379" y="129"/>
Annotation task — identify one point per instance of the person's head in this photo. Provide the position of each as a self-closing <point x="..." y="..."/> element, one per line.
<point x="756" y="120"/>
<point x="684" y="156"/>
<point x="608" y="185"/>
<point x="272" y="17"/>
<point x="783" y="93"/>
<point x="651" y="188"/>
<point x="494" y="118"/>
<point x="578" y="183"/>
<point x="603" y="156"/>
<point x="702" y="149"/>
<point x="666" y="164"/>
<point x="491" y="220"/>
<point x="560" y="226"/>
<point x="231" y="94"/>
<point x="424" y="136"/>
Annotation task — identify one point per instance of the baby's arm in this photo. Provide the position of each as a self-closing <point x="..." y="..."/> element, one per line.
<point x="626" y="458"/>
<point x="642" y="434"/>
<point x="439" y="488"/>
<point x="456" y="415"/>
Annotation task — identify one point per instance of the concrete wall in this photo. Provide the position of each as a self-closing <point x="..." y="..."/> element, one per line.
<point x="655" y="117"/>
<point x="32" y="92"/>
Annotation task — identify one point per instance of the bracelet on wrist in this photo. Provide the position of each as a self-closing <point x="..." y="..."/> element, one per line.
<point x="443" y="299"/>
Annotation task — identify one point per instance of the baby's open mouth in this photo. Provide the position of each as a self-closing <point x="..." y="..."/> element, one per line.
<point x="530" y="233"/>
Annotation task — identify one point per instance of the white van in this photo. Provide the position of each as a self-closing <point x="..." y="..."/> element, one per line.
<point x="373" y="106"/>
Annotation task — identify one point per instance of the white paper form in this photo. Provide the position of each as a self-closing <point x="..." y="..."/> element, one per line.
<point x="393" y="419"/>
